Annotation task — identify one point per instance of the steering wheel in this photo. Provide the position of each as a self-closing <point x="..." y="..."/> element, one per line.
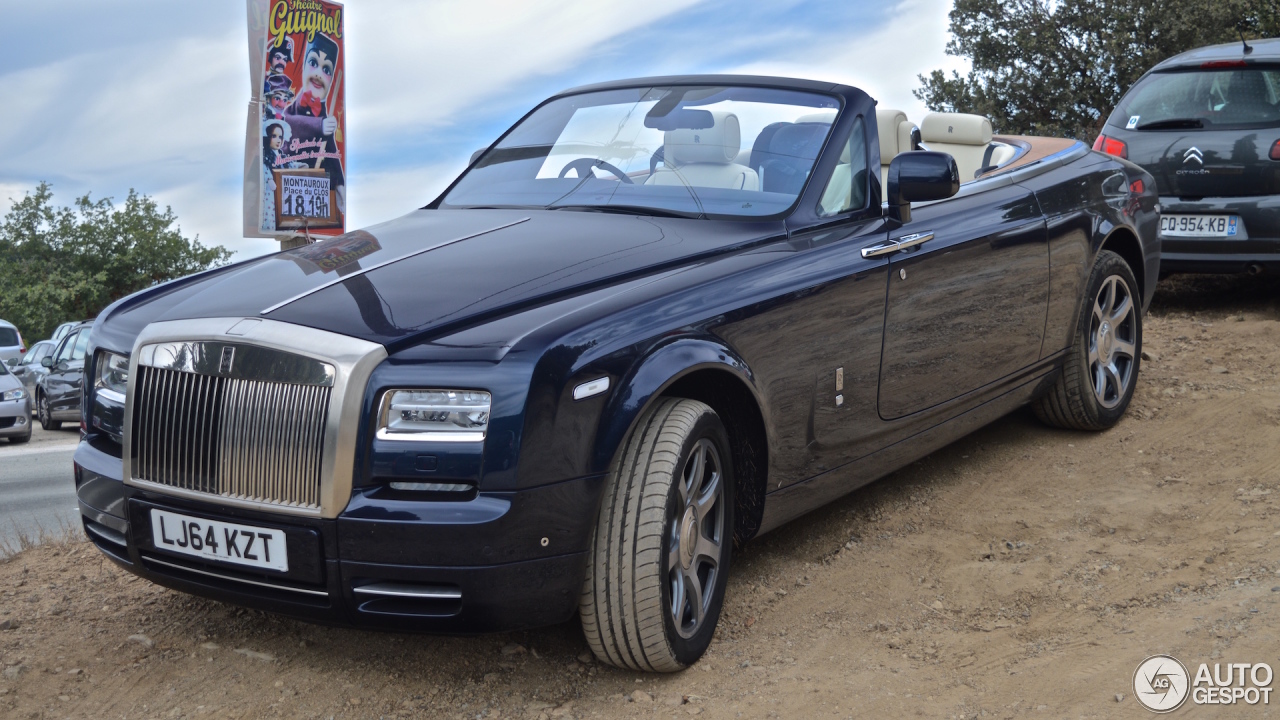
<point x="585" y="164"/>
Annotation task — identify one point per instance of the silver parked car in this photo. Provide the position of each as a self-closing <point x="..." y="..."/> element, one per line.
<point x="28" y="368"/>
<point x="62" y="330"/>
<point x="15" y="408"/>
<point x="11" y="344"/>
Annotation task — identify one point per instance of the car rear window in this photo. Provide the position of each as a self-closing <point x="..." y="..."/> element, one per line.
<point x="1219" y="98"/>
<point x="8" y="337"/>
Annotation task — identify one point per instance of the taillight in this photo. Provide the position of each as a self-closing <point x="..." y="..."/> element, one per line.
<point x="1137" y="187"/>
<point x="1215" y="64"/>
<point x="1111" y="146"/>
<point x="1275" y="151"/>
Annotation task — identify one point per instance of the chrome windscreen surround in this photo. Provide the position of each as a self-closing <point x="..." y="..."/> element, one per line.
<point x="259" y="350"/>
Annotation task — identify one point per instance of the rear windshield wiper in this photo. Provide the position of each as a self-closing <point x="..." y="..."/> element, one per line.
<point x="627" y="210"/>
<point x="1172" y="124"/>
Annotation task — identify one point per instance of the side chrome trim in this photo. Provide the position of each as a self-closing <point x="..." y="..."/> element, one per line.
<point x="352" y="360"/>
<point x="401" y="590"/>
<point x="229" y="578"/>
<point x="385" y="263"/>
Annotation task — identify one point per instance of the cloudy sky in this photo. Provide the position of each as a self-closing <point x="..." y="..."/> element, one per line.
<point x="102" y="97"/>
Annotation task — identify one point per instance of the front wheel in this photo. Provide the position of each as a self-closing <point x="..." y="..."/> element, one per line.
<point x="659" y="559"/>
<point x="1101" y="368"/>
<point x="46" y="417"/>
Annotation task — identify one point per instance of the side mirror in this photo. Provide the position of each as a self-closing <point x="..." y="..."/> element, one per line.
<point x="920" y="176"/>
<point x="12" y="362"/>
<point x="476" y="156"/>
<point x="46" y="361"/>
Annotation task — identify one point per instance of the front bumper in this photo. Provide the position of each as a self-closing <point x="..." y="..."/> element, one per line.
<point x="495" y="562"/>
<point x="15" y="418"/>
<point x="1256" y="248"/>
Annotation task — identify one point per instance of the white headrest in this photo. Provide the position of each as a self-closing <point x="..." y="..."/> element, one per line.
<point x="887" y="122"/>
<point x="904" y="137"/>
<point x="822" y="117"/>
<point x="955" y="128"/>
<point x="717" y="144"/>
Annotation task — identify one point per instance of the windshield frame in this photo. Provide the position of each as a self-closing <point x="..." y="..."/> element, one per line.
<point x="834" y="132"/>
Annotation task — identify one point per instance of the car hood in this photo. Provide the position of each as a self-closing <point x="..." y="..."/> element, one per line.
<point x="8" y="381"/>
<point x="434" y="270"/>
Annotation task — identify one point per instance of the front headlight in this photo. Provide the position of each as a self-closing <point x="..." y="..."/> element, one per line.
<point x="434" y="415"/>
<point x="113" y="375"/>
<point x="12" y="395"/>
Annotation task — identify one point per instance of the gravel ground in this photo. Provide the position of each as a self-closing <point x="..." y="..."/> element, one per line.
<point x="1021" y="571"/>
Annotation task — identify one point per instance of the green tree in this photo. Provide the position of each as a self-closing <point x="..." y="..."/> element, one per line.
<point x="1054" y="67"/>
<point x="68" y="263"/>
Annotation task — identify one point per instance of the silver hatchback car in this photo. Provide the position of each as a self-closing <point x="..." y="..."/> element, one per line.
<point x="11" y="344"/>
<point x="15" y="408"/>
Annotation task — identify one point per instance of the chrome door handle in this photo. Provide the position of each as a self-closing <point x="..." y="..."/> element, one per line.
<point x="879" y="249"/>
<point x="902" y="243"/>
<point x="910" y="241"/>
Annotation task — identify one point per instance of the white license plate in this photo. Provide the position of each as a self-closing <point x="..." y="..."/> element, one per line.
<point x="1199" y="225"/>
<point x="215" y="540"/>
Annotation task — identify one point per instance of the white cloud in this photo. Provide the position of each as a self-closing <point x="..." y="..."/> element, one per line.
<point x="383" y="195"/>
<point x="431" y="62"/>
<point x="883" y="62"/>
<point x="169" y="106"/>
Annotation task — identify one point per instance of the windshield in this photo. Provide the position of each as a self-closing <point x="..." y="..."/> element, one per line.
<point x="692" y="151"/>
<point x="8" y="337"/>
<point x="1211" y="98"/>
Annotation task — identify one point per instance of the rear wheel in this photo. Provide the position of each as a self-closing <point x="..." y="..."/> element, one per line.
<point x="1101" y="368"/>
<point x="46" y="417"/>
<point x="659" y="558"/>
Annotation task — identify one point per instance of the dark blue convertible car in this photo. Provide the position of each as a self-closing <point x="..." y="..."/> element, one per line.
<point x="655" y="319"/>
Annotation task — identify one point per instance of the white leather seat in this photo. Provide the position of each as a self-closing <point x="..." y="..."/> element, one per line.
<point x="967" y="139"/>
<point x="705" y="158"/>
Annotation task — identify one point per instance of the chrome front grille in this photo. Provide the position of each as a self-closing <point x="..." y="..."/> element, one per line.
<point x="231" y="421"/>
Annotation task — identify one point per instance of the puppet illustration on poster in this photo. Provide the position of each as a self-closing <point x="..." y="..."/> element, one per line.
<point x="296" y="120"/>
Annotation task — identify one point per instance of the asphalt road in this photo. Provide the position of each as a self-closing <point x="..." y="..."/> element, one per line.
<point x="37" y="492"/>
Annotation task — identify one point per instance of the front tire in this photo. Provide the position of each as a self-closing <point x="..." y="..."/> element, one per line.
<point x="1101" y="368"/>
<point x="659" y="558"/>
<point x="46" y="417"/>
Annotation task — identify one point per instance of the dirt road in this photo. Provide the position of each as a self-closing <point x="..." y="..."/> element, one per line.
<point x="1019" y="572"/>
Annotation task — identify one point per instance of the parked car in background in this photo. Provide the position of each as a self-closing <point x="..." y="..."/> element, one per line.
<point x="657" y="318"/>
<point x="15" y="408"/>
<point x="1206" y="125"/>
<point x="11" y="344"/>
<point x="57" y="394"/>
<point x="62" y="330"/>
<point x="28" y="368"/>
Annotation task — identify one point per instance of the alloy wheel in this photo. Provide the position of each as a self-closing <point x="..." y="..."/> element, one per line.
<point x="1112" y="342"/>
<point x="695" y="538"/>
